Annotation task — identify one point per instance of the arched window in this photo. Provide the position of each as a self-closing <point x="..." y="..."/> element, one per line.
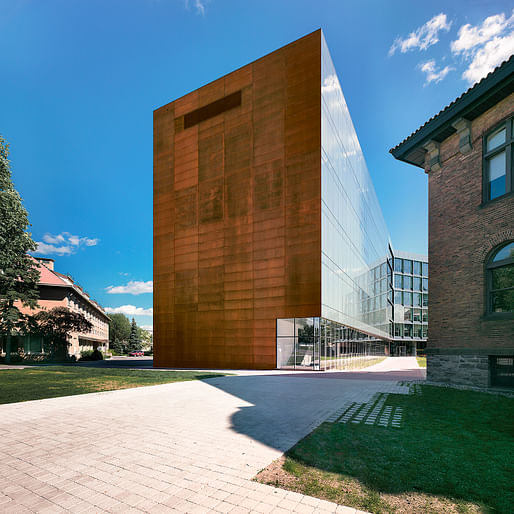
<point x="500" y="280"/>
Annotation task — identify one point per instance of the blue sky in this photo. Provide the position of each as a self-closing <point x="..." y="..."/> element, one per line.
<point x="80" y="79"/>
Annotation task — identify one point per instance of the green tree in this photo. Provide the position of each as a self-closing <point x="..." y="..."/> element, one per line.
<point x="119" y="332"/>
<point x="134" y="340"/>
<point x="56" y="326"/>
<point x="146" y="339"/>
<point x="19" y="274"/>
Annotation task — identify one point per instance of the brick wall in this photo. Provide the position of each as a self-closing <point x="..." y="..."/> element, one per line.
<point x="462" y="233"/>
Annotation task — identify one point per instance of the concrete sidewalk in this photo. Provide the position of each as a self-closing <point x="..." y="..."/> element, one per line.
<point x="183" y="447"/>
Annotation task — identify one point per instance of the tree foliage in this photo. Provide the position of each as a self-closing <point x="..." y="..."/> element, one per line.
<point x="56" y="325"/>
<point x="19" y="274"/>
<point x="119" y="332"/>
<point x="134" y="340"/>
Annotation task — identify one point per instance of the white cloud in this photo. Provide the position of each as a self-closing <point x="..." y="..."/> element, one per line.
<point x="48" y="238"/>
<point x="69" y="244"/>
<point x="133" y="287"/>
<point x="149" y="328"/>
<point x="470" y="37"/>
<point x="485" y="45"/>
<point x="46" y="249"/>
<point x="432" y="73"/>
<point x="487" y="58"/>
<point x="423" y="37"/>
<point x="130" y="310"/>
<point x="199" y="6"/>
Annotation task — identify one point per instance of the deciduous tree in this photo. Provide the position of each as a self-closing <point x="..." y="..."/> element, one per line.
<point x="119" y="331"/>
<point x="19" y="274"/>
<point x="56" y="325"/>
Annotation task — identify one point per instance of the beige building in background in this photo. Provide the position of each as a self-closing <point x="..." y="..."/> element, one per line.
<point x="59" y="290"/>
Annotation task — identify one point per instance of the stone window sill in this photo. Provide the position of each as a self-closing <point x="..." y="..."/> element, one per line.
<point x="497" y="316"/>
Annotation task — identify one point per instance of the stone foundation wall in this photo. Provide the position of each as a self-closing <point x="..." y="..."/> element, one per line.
<point x="468" y="370"/>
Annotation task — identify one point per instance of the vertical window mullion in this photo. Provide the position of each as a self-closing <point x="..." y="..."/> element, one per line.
<point x="508" y="171"/>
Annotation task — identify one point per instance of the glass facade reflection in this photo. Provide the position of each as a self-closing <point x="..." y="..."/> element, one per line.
<point x="321" y="344"/>
<point x="374" y="300"/>
<point x="355" y="239"/>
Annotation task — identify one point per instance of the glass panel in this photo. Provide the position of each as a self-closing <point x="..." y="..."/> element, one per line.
<point x="407" y="331"/>
<point x="425" y="284"/>
<point x="407" y="266"/>
<point x="507" y="252"/>
<point x="407" y="282"/>
<point x="285" y="352"/>
<point x="425" y="316"/>
<point x="398" y="264"/>
<point x="424" y="269"/>
<point x="416" y="284"/>
<point x="304" y="328"/>
<point x="497" y="175"/>
<point x="407" y="316"/>
<point x="503" y="301"/>
<point x="383" y="270"/>
<point x="416" y="269"/>
<point x="304" y="353"/>
<point x="425" y="300"/>
<point x="398" y="297"/>
<point x="407" y="298"/>
<point x="416" y="315"/>
<point x="354" y="236"/>
<point x="496" y="139"/>
<point x="503" y="277"/>
<point x="425" y="331"/>
<point x="416" y="299"/>
<point x="398" y="330"/>
<point x="285" y="327"/>
<point x="398" y="282"/>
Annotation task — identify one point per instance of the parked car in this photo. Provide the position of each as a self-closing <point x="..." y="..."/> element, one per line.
<point x="136" y="353"/>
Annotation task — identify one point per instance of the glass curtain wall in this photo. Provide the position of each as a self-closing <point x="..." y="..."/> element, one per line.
<point x="355" y="239"/>
<point x="410" y="304"/>
<point x="321" y="344"/>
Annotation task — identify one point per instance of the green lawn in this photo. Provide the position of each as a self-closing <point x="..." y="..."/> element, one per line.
<point x="422" y="362"/>
<point x="19" y="385"/>
<point x="454" y="452"/>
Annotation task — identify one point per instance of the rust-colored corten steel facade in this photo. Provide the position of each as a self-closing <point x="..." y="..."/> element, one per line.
<point x="237" y="211"/>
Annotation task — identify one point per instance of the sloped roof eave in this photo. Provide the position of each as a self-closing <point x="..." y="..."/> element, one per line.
<point x="503" y="75"/>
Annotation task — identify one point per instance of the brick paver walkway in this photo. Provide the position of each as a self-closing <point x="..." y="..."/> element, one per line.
<point x="184" y="447"/>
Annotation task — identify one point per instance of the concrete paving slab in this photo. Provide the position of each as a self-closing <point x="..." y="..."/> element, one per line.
<point x="182" y="447"/>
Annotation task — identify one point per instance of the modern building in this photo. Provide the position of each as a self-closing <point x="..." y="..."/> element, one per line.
<point x="410" y="299"/>
<point x="58" y="290"/>
<point x="270" y="248"/>
<point x="467" y="150"/>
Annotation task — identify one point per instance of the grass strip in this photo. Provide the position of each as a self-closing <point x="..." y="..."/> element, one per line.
<point x="454" y="452"/>
<point x="19" y="385"/>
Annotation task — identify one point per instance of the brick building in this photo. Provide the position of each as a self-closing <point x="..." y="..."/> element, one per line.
<point x="59" y="290"/>
<point x="467" y="150"/>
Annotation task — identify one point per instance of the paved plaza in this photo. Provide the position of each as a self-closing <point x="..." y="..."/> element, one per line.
<point x="185" y="447"/>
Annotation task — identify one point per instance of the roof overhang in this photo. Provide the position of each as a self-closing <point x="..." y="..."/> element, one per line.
<point x="475" y="101"/>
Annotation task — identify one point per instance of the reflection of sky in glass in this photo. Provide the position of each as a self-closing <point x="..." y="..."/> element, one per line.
<point x="354" y="234"/>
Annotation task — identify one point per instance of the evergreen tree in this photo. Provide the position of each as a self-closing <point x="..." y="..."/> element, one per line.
<point x="19" y="275"/>
<point x="134" y="340"/>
